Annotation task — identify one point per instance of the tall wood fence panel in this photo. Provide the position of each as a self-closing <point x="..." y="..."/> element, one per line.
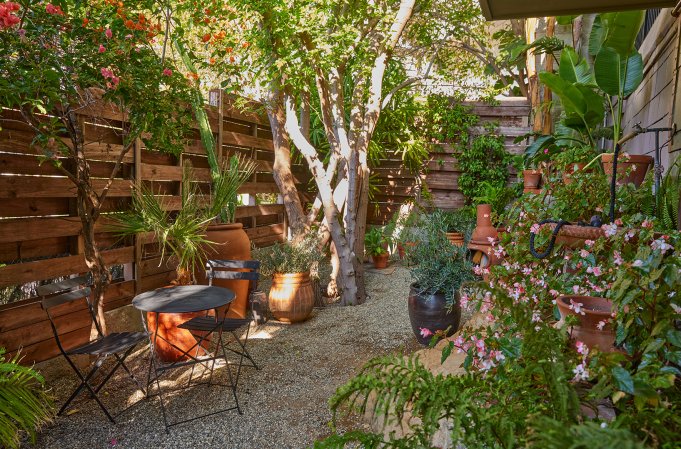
<point x="396" y="184"/>
<point x="40" y="231"/>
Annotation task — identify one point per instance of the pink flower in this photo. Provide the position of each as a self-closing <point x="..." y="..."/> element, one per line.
<point x="106" y="73"/>
<point x="102" y="49"/>
<point x="546" y="151"/>
<point x="619" y="222"/>
<point x="589" y="242"/>
<point x="56" y="10"/>
<point x="425" y="333"/>
<point x="596" y="271"/>
<point x="601" y="324"/>
<point x="534" y="229"/>
<point x="108" y="33"/>
<point x="581" y="373"/>
<point x="609" y="229"/>
<point x="647" y="224"/>
<point x="637" y="263"/>
<point x="575" y="289"/>
<point x="584" y="253"/>
<point x="167" y="72"/>
<point x="582" y="348"/>
<point x="577" y="307"/>
<point x="617" y="258"/>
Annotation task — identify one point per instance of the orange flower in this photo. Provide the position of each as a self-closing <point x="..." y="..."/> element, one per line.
<point x="129" y="23"/>
<point x="86" y="21"/>
<point x="206" y="37"/>
<point x="231" y="59"/>
<point x="212" y="60"/>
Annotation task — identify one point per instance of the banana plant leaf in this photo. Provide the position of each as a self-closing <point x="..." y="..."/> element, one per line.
<point x="616" y="30"/>
<point x="574" y="68"/>
<point x="617" y="75"/>
<point x="583" y="106"/>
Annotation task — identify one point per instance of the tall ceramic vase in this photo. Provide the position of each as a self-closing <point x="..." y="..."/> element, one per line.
<point x="232" y="243"/>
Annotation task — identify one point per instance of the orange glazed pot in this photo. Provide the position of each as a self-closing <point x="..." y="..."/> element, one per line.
<point x="631" y="168"/>
<point x="291" y="297"/>
<point x="232" y="243"/>
<point x="171" y="337"/>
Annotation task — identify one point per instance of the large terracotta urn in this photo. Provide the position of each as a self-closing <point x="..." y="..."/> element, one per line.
<point x="172" y="341"/>
<point x="631" y="168"/>
<point x="428" y="310"/>
<point x="231" y="243"/>
<point x="291" y="297"/>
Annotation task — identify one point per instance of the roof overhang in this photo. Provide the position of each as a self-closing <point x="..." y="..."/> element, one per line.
<point x="516" y="9"/>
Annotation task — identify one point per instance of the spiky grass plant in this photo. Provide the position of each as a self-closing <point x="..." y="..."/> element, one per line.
<point x="183" y="234"/>
<point x="24" y="404"/>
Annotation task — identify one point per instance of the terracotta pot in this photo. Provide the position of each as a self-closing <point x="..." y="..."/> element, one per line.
<point x="532" y="179"/>
<point x="232" y="243"/>
<point x="571" y="169"/>
<point x="595" y="310"/>
<point x="636" y="165"/>
<point x="400" y="250"/>
<point x="574" y="236"/>
<point x="182" y="338"/>
<point x="381" y="260"/>
<point x="429" y="311"/>
<point x="291" y="297"/>
<point x="455" y="238"/>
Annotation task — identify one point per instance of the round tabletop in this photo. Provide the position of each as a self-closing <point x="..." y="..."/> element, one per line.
<point x="183" y="298"/>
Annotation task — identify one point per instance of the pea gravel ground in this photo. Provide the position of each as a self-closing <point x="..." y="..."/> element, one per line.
<point x="284" y="403"/>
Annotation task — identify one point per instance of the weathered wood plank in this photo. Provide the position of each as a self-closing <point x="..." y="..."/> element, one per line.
<point x="21" y="273"/>
<point x="45" y="187"/>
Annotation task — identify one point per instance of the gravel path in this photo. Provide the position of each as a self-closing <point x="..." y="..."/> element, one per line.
<point x="284" y="404"/>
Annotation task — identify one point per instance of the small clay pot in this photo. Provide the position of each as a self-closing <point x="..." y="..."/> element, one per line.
<point x="380" y="261"/>
<point x="455" y="238"/>
<point x="400" y="251"/>
<point x="532" y="179"/>
<point x="571" y="169"/>
<point x="631" y="168"/>
<point x="429" y="311"/>
<point x="594" y="310"/>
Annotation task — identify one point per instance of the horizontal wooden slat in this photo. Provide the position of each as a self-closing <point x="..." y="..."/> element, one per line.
<point x="254" y="211"/>
<point x="263" y="231"/>
<point x="21" y="273"/>
<point x="46" y="187"/>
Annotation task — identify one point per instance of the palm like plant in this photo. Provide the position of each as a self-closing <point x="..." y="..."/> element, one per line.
<point x="183" y="234"/>
<point x="24" y="404"/>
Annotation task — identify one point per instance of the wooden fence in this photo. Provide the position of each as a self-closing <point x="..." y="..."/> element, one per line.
<point x="395" y="184"/>
<point x="39" y="227"/>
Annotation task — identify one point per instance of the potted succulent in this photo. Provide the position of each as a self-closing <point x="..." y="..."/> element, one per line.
<point x="291" y="297"/>
<point x="376" y="245"/>
<point x="433" y="302"/>
<point x="182" y="239"/>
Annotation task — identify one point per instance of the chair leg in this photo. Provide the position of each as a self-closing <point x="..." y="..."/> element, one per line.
<point x="83" y="380"/>
<point x="85" y="384"/>
<point x="120" y="363"/>
<point x="232" y="381"/>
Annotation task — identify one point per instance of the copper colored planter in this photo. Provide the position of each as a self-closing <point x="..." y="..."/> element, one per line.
<point x="232" y="243"/>
<point x="171" y="337"/>
<point x="631" y="168"/>
<point x="595" y="310"/>
<point x="291" y="297"/>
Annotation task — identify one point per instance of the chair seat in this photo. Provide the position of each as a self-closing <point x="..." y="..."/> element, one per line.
<point x="207" y="324"/>
<point x="111" y="344"/>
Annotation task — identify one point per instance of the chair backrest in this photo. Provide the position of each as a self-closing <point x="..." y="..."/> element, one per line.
<point x="225" y="269"/>
<point x="82" y="294"/>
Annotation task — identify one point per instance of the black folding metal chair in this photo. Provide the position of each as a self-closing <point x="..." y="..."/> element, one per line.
<point x="118" y="345"/>
<point x="225" y="269"/>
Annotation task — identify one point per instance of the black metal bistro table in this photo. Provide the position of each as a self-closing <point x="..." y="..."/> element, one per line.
<point x="183" y="299"/>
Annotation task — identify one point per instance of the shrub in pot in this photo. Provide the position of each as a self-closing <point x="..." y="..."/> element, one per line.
<point x="291" y="297"/>
<point x="376" y="245"/>
<point x="438" y="269"/>
<point x="458" y="225"/>
<point x="182" y="239"/>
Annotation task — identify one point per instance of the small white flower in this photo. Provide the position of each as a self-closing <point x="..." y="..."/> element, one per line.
<point x="637" y="263"/>
<point x="581" y="373"/>
<point x="577" y="307"/>
<point x="609" y="229"/>
<point x="604" y="425"/>
<point x="601" y="324"/>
